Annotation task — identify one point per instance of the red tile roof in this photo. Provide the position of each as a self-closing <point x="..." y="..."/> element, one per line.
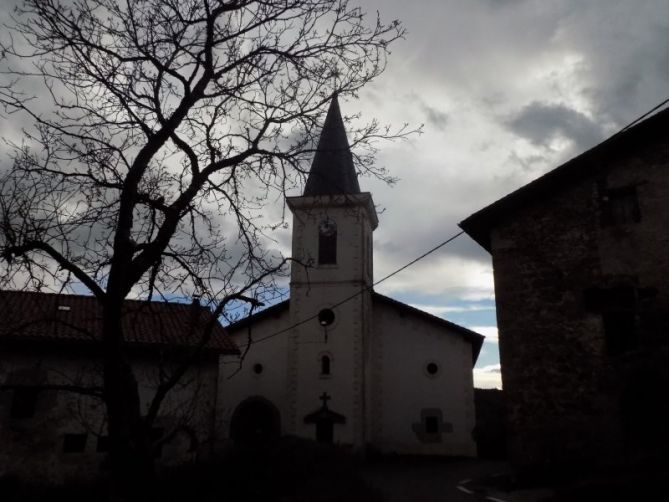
<point x="26" y="316"/>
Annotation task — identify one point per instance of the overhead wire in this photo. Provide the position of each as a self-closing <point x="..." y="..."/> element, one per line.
<point x="639" y="119"/>
<point x="430" y="251"/>
<point x="362" y="290"/>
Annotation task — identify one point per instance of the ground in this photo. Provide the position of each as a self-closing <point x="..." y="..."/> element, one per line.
<point x="430" y="480"/>
<point x="297" y="470"/>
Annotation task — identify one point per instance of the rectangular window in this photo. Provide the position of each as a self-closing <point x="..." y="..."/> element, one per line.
<point x="324" y="431"/>
<point x="24" y="403"/>
<point x="327" y="242"/>
<point x="74" y="443"/>
<point x="103" y="444"/>
<point x="620" y="330"/>
<point x="620" y="206"/>
<point x="327" y="249"/>
<point x="618" y="307"/>
<point x="431" y="425"/>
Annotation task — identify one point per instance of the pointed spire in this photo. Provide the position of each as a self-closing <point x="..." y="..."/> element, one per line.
<point x="332" y="170"/>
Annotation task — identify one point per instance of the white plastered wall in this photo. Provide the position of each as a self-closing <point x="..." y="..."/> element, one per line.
<point x="378" y="379"/>
<point x="325" y="286"/>
<point x="403" y="344"/>
<point x="237" y="379"/>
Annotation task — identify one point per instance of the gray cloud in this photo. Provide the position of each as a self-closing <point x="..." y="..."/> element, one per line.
<point x="542" y="122"/>
<point x="502" y="3"/>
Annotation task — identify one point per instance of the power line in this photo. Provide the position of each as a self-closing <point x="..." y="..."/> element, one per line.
<point x="429" y="252"/>
<point x="365" y="289"/>
<point x="452" y="238"/>
<point x="639" y="119"/>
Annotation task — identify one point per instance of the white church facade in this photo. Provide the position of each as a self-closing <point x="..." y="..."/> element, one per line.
<point x="338" y="362"/>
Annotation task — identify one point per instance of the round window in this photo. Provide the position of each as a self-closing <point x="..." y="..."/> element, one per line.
<point x="326" y="317"/>
<point x="432" y="368"/>
<point x="257" y="368"/>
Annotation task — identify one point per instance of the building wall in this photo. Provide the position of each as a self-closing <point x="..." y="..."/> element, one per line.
<point x="355" y="221"/>
<point x="377" y="381"/>
<point x="36" y="444"/>
<point x="239" y="380"/>
<point x="563" y="384"/>
<point x="404" y="392"/>
<point x="323" y="287"/>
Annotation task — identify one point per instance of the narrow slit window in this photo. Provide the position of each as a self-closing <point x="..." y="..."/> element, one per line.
<point x="156" y="435"/>
<point x="325" y="365"/>
<point x="327" y="242"/>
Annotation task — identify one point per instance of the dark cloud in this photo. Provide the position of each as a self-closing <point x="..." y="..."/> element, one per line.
<point x="434" y="116"/>
<point x="624" y="46"/>
<point x="478" y="73"/>
<point x="543" y="122"/>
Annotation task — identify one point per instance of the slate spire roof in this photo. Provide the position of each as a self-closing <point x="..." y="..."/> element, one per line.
<point x="332" y="170"/>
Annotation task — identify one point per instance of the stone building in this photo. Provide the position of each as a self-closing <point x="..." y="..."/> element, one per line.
<point x="582" y="288"/>
<point x="338" y="362"/>
<point x="52" y="418"/>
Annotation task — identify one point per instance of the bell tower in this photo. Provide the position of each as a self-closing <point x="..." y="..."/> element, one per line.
<point x="330" y="294"/>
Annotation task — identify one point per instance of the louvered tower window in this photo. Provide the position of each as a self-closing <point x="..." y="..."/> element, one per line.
<point x="327" y="242"/>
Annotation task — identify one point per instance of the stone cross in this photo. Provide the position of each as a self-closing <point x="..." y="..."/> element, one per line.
<point x="325" y="397"/>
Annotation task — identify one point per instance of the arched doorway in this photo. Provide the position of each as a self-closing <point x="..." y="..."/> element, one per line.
<point x="255" y="422"/>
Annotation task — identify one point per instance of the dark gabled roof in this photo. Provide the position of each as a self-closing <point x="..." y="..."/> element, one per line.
<point x="332" y="171"/>
<point x="480" y="224"/>
<point x="274" y="310"/>
<point x="31" y="316"/>
<point x="474" y="338"/>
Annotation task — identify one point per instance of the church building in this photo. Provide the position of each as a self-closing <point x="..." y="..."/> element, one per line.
<point x="338" y="362"/>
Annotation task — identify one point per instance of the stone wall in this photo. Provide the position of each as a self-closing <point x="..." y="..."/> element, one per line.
<point x="576" y="273"/>
<point x="490" y="430"/>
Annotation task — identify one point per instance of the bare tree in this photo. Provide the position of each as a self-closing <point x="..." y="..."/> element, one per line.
<point x="162" y="128"/>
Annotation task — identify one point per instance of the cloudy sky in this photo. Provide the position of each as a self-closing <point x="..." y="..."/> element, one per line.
<point x="506" y="90"/>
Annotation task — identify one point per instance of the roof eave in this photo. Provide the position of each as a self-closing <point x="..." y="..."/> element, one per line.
<point x="275" y="309"/>
<point x="51" y="341"/>
<point x="480" y="224"/>
<point x="476" y="339"/>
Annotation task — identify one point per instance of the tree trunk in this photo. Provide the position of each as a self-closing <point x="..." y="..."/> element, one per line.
<point x="132" y="466"/>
